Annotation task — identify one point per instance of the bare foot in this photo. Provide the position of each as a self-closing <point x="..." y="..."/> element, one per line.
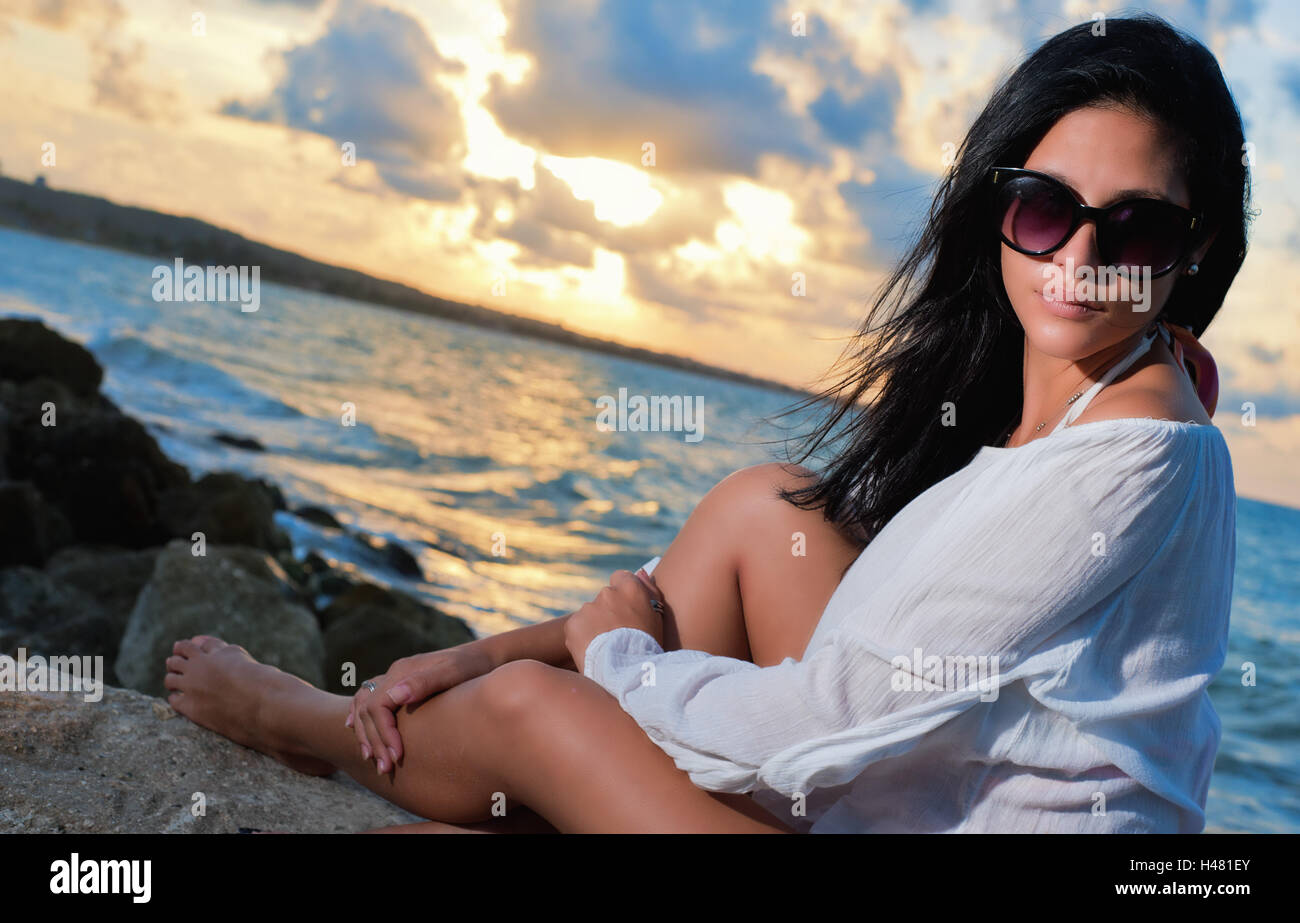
<point x="221" y="687"/>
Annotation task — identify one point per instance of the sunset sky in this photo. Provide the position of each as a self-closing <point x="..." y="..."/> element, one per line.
<point x="501" y="155"/>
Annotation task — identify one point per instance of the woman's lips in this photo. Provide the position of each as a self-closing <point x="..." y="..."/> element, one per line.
<point x="1068" y="309"/>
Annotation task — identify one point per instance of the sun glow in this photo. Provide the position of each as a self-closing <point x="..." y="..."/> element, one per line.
<point x="604" y="281"/>
<point x="622" y="195"/>
<point x="763" y="224"/>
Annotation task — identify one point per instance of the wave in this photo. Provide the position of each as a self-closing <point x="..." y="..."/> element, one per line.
<point x="130" y="357"/>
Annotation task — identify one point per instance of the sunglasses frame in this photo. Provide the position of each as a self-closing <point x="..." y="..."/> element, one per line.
<point x="1000" y="175"/>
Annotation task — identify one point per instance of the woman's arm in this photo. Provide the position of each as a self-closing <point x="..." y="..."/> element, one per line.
<point x="543" y="641"/>
<point x="551" y="641"/>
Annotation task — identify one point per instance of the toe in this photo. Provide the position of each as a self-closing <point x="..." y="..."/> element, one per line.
<point x="176" y="664"/>
<point x="173" y="681"/>
<point x="208" y="644"/>
<point x="185" y="648"/>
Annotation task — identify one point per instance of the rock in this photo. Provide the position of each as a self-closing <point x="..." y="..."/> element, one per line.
<point x="371" y="627"/>
<point x="317" y="517"/>
<point x="227" y="508"/>
<point x="102" y="470"/>
<point x="4" y="437"/>
<point x="29" y="349"/>
<point x="31" y="529"/>
<point x="314" y="563"/>
<point x="313" y="576"/>
<point x="273" y="493"/>
<point x="246" y="443"/>
<point x="113" y="577"/>
<point x="236" y="594"/>
<point x="128" y="764"/>
<point x="390" y="554"/>
<point x="294" y="569"/>
<point x="329" y="583"/>
<point x="46" y="616"/>
<point x="456" y="549"/>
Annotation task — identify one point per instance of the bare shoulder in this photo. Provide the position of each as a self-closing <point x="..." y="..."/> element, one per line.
<point x="1156" y="389"/>
<point x="1158" y="405"/>
<point x="753" y="490"/>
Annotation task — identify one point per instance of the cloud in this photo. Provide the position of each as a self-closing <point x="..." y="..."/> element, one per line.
<point x="63" y="14"/>
<point x="371" y="79"/>
<point x="545" y="246"/>
<point x="609" y="77"/>
<point x="691" y="210"/>
<point x="1241" y="12"/>
<point x="120" y="82"/>
<point x="1290" y="77"/>
<point x="1263" y="354"/>
<point x="847" y="121"/>
<point x="118" y="69"/>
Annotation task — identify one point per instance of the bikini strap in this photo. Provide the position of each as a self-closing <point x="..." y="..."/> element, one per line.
<point x="1111" y="374"/>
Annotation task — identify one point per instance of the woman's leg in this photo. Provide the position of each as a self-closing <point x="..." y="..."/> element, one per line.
<point x="548" y="737"/>
<point x="525" y="734"/>
<point x="749" y="574"/>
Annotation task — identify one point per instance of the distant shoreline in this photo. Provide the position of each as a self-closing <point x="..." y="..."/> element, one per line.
<point x="38" y="209"/>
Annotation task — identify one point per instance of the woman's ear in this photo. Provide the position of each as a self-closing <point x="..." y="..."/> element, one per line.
<point x="1204" y="247"/>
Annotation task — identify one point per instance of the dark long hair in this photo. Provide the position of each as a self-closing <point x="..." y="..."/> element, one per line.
<point x="942" y="330"/>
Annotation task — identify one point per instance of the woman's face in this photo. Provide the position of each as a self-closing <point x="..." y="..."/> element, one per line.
<point x="1103" y="155"/>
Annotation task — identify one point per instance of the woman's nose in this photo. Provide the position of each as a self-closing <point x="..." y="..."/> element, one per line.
<point x="1079" y="251"/>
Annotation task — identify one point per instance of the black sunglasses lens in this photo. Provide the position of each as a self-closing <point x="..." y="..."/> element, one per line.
<point x="1144" y="233"/>
<point x="1035" y="214"/>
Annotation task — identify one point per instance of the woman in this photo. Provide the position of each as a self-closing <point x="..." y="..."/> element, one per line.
<point x="999" y="606"/>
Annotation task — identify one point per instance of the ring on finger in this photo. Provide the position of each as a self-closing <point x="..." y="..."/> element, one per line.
<point x="368" y="684"/>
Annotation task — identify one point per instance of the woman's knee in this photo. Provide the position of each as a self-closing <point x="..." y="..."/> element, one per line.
<point x="752" y="498"/>
<point x="516" y="691"/>
<point x="760" y="485"/>
<point x="762" y="520"/>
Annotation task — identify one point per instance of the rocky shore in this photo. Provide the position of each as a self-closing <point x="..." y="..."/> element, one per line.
<point x="110" y="549"/>
<point x="129" y="764"/>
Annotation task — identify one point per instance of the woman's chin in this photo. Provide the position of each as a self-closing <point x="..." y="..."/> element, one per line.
<point x="1063" y="339"/>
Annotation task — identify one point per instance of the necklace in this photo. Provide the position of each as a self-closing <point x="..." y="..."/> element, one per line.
<point x="1074" y="397"/>
<point x="1037" y="429"/>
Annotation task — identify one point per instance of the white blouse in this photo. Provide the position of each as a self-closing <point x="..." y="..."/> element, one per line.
<point x="1025" y="647"/>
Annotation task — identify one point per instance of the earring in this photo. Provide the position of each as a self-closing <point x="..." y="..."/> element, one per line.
<point x="1193" y="269"/>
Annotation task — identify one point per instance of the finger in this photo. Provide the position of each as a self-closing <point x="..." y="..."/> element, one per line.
<point x="386" y="724"/>
<point x="624" y="582"/>
<point x="358" y="728"/>
<point x="648" y="581"/>
<point x="632" y="588"/>
<point x="418" y="686"/>
<point x="207" y="644"/>
<point x="360" y="695"/>
<point x="363" y="722"/>
<point x="375" y="743"/>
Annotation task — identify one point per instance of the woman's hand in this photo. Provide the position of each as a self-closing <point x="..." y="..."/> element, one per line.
<point x="629" y="601"/>
<point x="407" y="682"/>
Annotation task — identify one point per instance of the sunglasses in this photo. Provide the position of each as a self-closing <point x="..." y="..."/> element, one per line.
<point x="1037" y="214"/>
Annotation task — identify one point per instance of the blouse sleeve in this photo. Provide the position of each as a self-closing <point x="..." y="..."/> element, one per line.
<point x="1017" y="557"/>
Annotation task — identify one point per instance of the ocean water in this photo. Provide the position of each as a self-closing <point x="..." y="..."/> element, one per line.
<point x="479" y="451"/>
